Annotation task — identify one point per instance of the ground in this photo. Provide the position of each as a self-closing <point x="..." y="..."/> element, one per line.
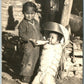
<point x="10" y="75"/>
<point x="11" y="58"/>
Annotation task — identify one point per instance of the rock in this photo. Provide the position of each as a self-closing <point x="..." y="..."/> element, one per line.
<point x="76" y="23"/>
<point x="6" y="81"/>
<point x="6" y="75"/>
<point x="69" y="80"/>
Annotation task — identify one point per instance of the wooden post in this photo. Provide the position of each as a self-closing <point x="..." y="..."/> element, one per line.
<point x="65" y="21"/>
<point x="66" y="12"/>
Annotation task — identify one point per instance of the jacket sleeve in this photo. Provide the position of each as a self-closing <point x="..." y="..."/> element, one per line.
<point x="22" y="33"/>
<point x="40" y="30"/>
<point x="26" y="33"/>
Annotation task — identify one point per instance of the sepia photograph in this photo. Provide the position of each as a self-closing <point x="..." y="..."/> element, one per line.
<point x="42" y="41"/>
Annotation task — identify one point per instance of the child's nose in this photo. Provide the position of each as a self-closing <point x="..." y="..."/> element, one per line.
<point x="50" y="40"/>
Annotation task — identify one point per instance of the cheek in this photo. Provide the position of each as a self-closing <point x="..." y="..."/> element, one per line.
<point x="26" y="16"/>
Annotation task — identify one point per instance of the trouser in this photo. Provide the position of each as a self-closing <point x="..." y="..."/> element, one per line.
<point x="30" y="58"/>
<point x="47" y="79"/>
<point x="26" y="79"/>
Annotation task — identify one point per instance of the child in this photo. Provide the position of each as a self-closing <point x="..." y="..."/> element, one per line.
<point x="51" y="54"/>
<point x="29" y="28"/>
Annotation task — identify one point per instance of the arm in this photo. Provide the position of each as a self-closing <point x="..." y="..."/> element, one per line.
<point x="22" y="32"/>
<point x="26" y="33"/>
<point x="39" y="42"/>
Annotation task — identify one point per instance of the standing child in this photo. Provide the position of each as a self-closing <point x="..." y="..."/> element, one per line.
<point x="29" y="28"/>
<point x="51" y="55"/>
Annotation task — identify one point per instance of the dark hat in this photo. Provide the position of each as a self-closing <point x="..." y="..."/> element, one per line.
<point x="52" y="26"/>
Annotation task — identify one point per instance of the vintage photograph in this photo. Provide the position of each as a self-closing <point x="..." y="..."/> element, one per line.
<point x="42" y="41"/>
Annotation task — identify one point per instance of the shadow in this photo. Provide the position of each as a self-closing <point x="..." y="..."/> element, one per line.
<point x="51" y="10"/>
<point x="12" y="67"/>
<point x="37" y="66"/>
<point x="11" y="56"/>
<point x="11" y="22"/>
<point x="77" y="7"/>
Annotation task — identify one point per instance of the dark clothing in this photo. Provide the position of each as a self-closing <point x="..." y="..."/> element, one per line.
<point x="28" y="30"/>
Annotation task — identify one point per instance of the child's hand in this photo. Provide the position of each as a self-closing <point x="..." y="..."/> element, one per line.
<point x="33" y="41"/>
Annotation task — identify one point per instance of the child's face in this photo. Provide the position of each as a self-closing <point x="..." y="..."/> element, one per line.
<point x="53" y="38"/>
<point x="29" y="14"/>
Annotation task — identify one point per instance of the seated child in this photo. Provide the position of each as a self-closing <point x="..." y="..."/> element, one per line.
<point x="51" y="54"/>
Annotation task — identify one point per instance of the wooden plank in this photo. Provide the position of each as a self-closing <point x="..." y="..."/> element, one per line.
<point x="15" y="32"/>
<point x="78" y="52"/>
<point x="66" y="12"/>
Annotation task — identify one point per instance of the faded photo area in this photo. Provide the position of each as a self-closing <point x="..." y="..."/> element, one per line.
<point x="42" y="41"/>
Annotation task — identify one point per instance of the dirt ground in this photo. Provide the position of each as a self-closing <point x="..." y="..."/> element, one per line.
<point x="10" y="74"/>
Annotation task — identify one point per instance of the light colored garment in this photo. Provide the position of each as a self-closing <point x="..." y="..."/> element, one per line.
<point x="49" y="64"/>
<point x="50" y="59"/>
<point x="66" y="33"/>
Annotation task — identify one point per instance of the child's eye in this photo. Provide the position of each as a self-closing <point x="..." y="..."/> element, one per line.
<point x="32" y="13"/>
<point x="52" y="37"/>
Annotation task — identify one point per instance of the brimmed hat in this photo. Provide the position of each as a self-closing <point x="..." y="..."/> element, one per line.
<point x="52" y="26"/>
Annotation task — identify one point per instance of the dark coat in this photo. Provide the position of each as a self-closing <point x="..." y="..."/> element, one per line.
<point x="28" y="30"/>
